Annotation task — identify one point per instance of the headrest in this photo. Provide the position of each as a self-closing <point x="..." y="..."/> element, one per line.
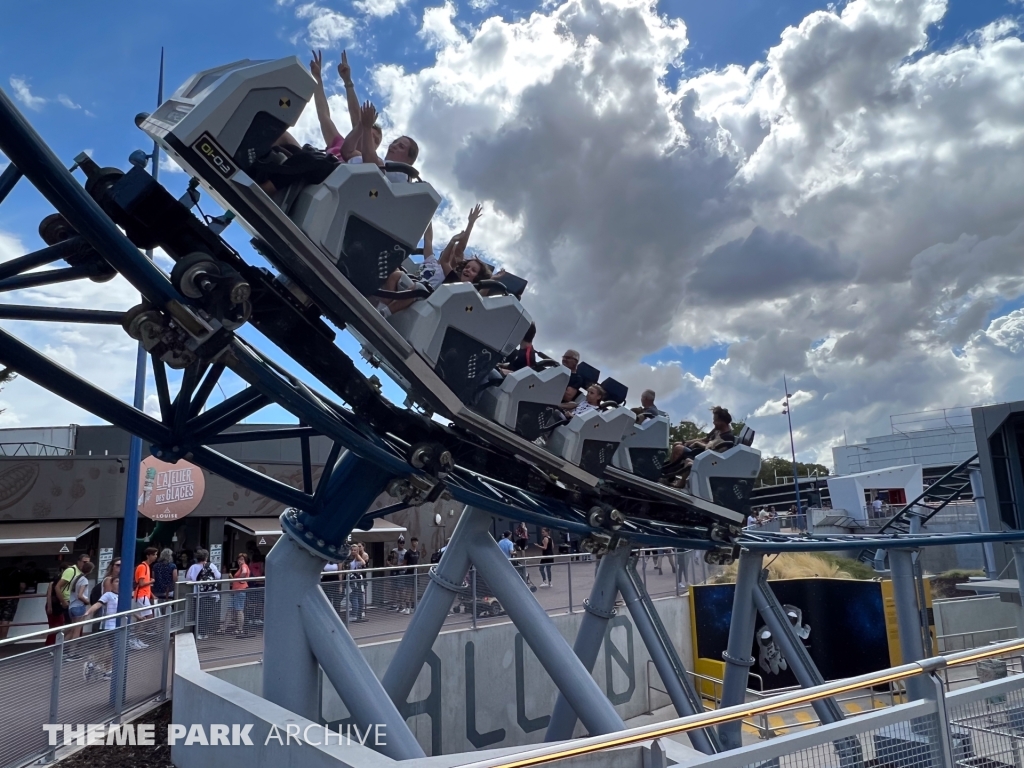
<point x="746" y="436"/>
<point x="615" y="390"/>
<point x="515" y="284"/>
<point x="588" y="374"/>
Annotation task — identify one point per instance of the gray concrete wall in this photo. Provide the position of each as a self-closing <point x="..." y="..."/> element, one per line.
<point x="485" y="688"/>
<point x="206" y="698"/>
<point x="979" y="616"/>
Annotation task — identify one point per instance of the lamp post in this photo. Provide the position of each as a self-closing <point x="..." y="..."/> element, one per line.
<point x="787" y="411"/>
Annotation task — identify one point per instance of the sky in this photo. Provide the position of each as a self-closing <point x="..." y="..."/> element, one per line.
<point x="705" y="197"/>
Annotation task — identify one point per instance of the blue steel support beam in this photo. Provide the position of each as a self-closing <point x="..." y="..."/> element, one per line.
<point x="226" y="414"/>
<point x="597" y="714"/>
<point x="8" y="179"/>
<point x="49" y="277"/>
<point x="310" y="408"/>
<point x="56" y="378"/>
<point x="59" y="314"/>
<point x="352" y="486"/>
<point x="232" y="470"/>
<point x="446" y="580"/>
<point x="47" y="255"/>
<point x="259" y="435"/>
<point x="24" y="147"/>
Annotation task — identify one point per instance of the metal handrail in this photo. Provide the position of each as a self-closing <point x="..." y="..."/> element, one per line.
<point x="641" y="734"/>
<point x="42" y="633"/>
<point x="530" y="560"/>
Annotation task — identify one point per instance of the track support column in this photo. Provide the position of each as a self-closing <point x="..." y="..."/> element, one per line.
<point x="568" y="673"/>
<point x="738" y="660"/>
<point x="666" y="660"/>
<point x="352" y="677"/>
<point x="908" y="617"/>
<point x="597" y="610"/>
<point x="446" y="580"/>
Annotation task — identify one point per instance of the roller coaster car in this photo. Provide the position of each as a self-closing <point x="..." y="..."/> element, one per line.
<point x="335" y="243"/>
<point x="591" y="439"/>
<point x="462" y="334"/>
<point x="726" y="478"/>
<point x="524" y="399"/>
<point x="644" y="448"/>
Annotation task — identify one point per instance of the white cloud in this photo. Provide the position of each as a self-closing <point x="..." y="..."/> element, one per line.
<point x="104" y="355"/>
<point x="847" y="211"/>
<point x="325" y="28"/>
<point x="24" y="94"/>
<point x="379" y="8"/>
<point x="167" y="164"/>
<point x="66" y="101"/>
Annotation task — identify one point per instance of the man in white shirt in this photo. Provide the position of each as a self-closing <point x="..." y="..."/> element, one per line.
<point x="207" y="607"/>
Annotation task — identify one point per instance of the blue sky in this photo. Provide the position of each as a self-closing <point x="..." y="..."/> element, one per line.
<point x="83" y="79"/>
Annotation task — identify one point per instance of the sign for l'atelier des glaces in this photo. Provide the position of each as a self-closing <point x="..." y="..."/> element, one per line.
<point x="169" y="491"/>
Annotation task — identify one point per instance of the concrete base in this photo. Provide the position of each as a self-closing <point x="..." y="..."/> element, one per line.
<point x="203" y="698"/>
<point x="510" y="696"/>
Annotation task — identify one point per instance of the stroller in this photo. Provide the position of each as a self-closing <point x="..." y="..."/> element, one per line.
<point x="486" y="603"/>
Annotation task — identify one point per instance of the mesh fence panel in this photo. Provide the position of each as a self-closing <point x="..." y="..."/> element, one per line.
<point x="24" y="705"/>
<point x="908" y="744"/>
<point x="86" y="682"/>
<point x="989" y="732"/>
<point x="229" y="625"/>
<point x="145" y="646"/>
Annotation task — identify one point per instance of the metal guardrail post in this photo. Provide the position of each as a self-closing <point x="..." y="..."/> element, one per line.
<point x="568" y="579"/>
<point x="120" y="668"/>
<point x="677" y="574"/>
<point x="348" y="599"/>
<point x="942" y="716"/>
<point x="58" y="659"/>
<point x="166" y="655"/>
<point x="472" y="576"/>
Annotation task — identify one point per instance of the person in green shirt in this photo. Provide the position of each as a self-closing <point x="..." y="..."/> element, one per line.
<point x="67" y="578"/>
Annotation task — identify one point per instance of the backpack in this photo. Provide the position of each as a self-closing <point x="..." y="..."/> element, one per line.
<point x="97" y="591"/>
<point x="436" y="557"/>
<point x="206" y="574"/>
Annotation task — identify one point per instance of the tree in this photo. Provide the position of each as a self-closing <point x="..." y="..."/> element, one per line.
<point x="7" y="375"/>
<point x="783" y="468"/>
<point x="688" y="430"/>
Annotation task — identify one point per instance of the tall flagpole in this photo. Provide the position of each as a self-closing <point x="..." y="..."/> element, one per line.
<point x="130" y="533"/>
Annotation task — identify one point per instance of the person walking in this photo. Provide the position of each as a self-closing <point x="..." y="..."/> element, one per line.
<point x="354" y="583"/>
<point x="165" y="576"/>
<point x="53" y="606"/>
<point x="412" y="559"/>
<point x="67" y="577"/>
<point x="547" y="556"/>
<point x="143" y="584"/>
<point x="206" y="574"/>
<point x="505" y="544"/>
<point x="79" y="602"/>
<point x="238" y="593"/>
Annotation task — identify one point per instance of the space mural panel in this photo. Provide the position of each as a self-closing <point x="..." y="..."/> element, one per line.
<point x="841" y="622"/>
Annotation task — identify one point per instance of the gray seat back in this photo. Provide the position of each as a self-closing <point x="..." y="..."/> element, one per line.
<point x="366" y="223"/>
<point x="591" y="439"/>
<point x="523" y="400"/>
<point x="463" y="335"/>
<point x="726" y="478"/>
<point x="644" y="448"/>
